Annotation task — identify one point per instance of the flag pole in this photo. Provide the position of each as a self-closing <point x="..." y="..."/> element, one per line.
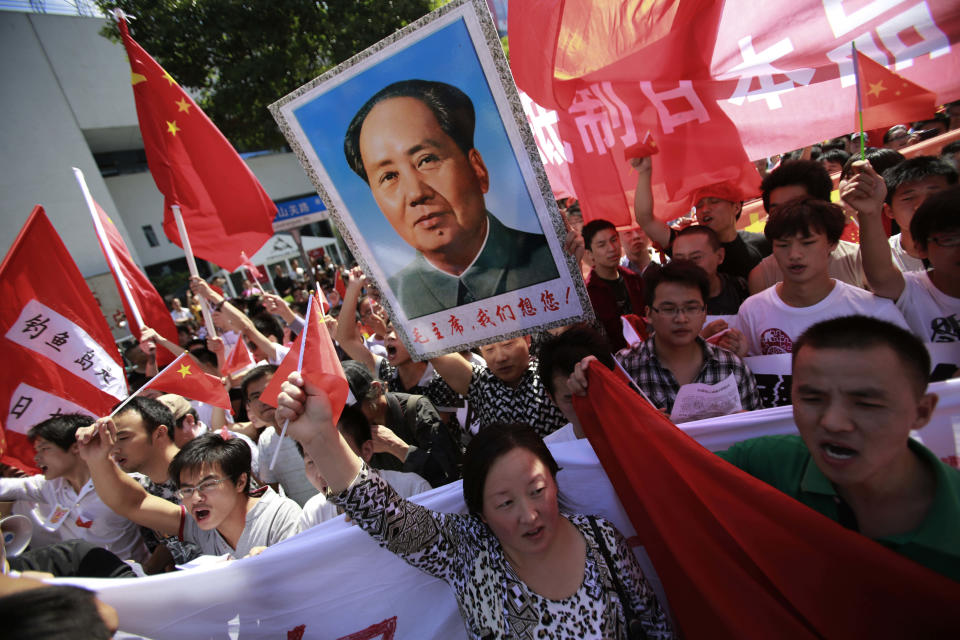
<point x="108" y="249"/>
<point x="303" y="343"/>
<point x="856" y="77"/>
<point x="192" y="265"/>
<point x="148" y="383"/>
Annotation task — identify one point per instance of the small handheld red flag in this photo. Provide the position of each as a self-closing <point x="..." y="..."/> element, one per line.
<point x="320" y="365"/>
<point x="338" y="285"/>
<point x="184" y="377"/>
<point x="239" y="359"/>
<point x="646" y="147"/>
<point x="889" y="98"/>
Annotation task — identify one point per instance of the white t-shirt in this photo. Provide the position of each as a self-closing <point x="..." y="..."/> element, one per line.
<point x="930" y="313"/>
<point x="845" y="266"/>
<point x="86" y="517"/>
<point x="904" y="261"/>
<point x="288" y="471"/>
<point x="318" y="509"/>
<point x="771" y="326"/>
<point x="272" y="519"/>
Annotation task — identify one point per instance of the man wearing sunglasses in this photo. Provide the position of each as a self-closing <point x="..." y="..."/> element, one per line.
<point x="217" y="511"/>
<point x="676" y="355"/>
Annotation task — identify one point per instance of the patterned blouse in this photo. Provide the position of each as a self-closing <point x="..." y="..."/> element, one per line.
<point x="494" y="602"/>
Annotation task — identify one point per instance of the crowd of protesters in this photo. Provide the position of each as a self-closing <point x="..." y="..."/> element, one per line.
<point x="853" y="284"/>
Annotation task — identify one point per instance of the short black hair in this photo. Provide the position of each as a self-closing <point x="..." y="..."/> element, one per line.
<point x="682" y="272"/>
<point x="880" y="159"/>
<point x="916" y="169"/>
<point x="360" y="380"/>
<point x="939" y="212"/>
<point x="354" y="425"/>
<point x="61" y="430"/>
<point x="559" y="354"/>
<point x="493" y="441"/>
<point x="52" y="612"/>
<point x="152" y="412"/>
<point x="268" y="325"/>
<point x="232" y="455"/>
<point x="703" y="230"/>
<point x="206" y="356"/>
<point x="952" y="147"/>
<point x="895" y="131"/>
<point x="594" y="227"/>
<point x="866" y="332"/>
<point x="452" y="108"/>
<point x="809" y="174"/>
<point x="255" y="374"/>
<point x="840" y="156"/>
<point x="803" y="217"/>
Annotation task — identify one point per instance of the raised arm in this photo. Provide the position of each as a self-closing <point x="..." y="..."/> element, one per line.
<point x="348" y="335"/>
<point x="656" y="230"/>
<point x="455" y="370"/>
<point x="233" y="316"/>
<point x="150" y="335"/>
<point x="865" y="191"/>
<point x="116" y="489"/>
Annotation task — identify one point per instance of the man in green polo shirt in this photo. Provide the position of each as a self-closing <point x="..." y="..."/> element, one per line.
<point x="859" y="389"/>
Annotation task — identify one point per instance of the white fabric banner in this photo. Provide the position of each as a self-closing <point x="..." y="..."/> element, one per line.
<point x="57" y="338"/>
<point x="334" y="582"/>
<point x="30" y="406"/>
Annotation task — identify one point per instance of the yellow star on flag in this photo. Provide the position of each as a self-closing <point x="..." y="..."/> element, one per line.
<point x="184" y="370"/>
<point x="183" y="105"/>
<point x="876" y="88"/>
<point x="136" y="78"/>
<point x="172" y="127"/>
<point x="169" y="78"/>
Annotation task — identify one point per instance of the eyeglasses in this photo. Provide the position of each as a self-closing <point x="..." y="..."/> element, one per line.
<point x="203" y="488"/>
<point x="946" y="240"/>
<point x="687" y="310"/>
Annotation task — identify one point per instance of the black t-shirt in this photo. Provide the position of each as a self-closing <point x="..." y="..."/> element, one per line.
<point x="732" y="294"/>
<point x="744" y="253"/>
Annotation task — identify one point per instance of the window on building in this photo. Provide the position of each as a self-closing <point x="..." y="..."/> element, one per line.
<point x="151" y="235"/>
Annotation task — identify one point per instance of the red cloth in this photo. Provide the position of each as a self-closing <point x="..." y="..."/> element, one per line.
<point x="716" y="83"/>
<point x="38" y="267"/>
<point x="151" y="307"/>
<point x="256" y="273"/>
<point x="888" y="98"/>
<point x="321" y="366"/>
<point x="224" y="208"/>
<point x="238" y="359"/>
<point x="605" y="304"/>
<point x="338" y="285"/>
<point x="739" y="559"/>
<point x="186" y="378"/>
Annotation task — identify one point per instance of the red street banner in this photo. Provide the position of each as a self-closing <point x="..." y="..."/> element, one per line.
<point x="717" y="84"/>
<point x="224" y="207"/>
<point x="150" y="307"/>
<point x="57" y="350"/>
<point x="739" y="558"/>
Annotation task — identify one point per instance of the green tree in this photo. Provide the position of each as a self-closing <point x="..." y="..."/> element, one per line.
<point x="239" y="57"/>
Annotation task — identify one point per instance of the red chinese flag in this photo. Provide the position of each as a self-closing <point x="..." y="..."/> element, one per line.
<point x="150" y="306"/>
<point x="725" y="543"/>
<point x="224" y="207"/>
<point x="324" y="303"/>
<point x="339" y="286"/>
<point x="256" y="274"/>
<point x="239" y="358"/>
<point x="186" y="378"/>
<point x="888" y="98"/>
<point x="57" y="351"/>
<point x="321" y="366"/>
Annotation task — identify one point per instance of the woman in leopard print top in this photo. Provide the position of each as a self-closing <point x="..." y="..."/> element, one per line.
<point x="519" y="567"/>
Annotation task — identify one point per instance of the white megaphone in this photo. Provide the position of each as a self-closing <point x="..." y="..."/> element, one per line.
<point x="17" y="531"/>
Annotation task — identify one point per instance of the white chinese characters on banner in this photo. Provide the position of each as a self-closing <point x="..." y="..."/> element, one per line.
<point x="601" y="118"/>
<point x="917" y="22"/>
<point x="543" y="123"/>
<point x="51" y="335"/>
<point x="669" y="119"/>
<point x="30" y="406"/>
<point x="759" y="66"/>
<point x="842" y="22"/>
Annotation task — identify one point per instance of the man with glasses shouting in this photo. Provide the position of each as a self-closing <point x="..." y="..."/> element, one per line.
<point x="218" y="511"/>
<point x="676" y="355"/>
